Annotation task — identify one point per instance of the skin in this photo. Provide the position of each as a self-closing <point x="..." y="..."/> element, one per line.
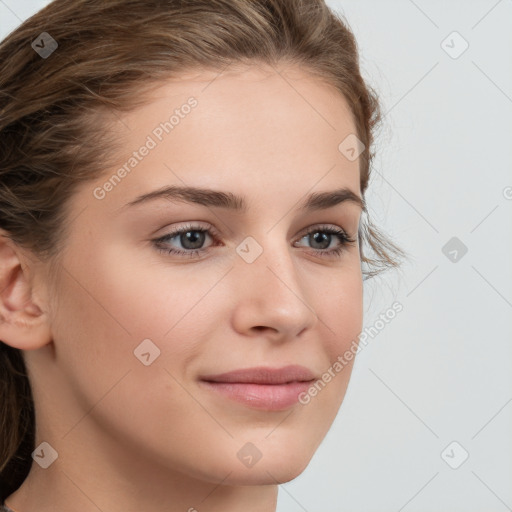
<point x="132" y="437"/>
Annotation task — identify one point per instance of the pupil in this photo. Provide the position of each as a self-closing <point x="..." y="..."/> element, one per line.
<point x="325" y="237"/>
<point x="197" y="240"/>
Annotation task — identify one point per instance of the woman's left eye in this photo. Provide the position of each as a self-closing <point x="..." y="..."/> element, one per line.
<point x="192" y="239"/>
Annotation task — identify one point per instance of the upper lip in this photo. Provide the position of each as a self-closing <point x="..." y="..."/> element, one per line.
<point x="264" y="375"/>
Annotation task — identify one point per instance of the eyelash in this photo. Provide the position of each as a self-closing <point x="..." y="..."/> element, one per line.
<point x="344" y="239"/>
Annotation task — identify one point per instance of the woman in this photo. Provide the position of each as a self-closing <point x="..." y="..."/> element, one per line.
<point x="182" y="251"/>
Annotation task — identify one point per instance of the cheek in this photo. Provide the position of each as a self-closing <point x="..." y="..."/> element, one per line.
<point x="105" y="308"/>
<point x="137" y="296"/>
<point x="341" y="309"/>
<point x="342" y="312"/>
<point x="108" y="305"/>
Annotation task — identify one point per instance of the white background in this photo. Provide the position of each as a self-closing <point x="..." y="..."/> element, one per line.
<point x="441" y="370"/>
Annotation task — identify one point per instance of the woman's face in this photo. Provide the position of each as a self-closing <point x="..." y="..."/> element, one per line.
<point x="137" y="330"/>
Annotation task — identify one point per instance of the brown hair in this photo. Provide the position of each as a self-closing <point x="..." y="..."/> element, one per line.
<point x="55" y="114"/>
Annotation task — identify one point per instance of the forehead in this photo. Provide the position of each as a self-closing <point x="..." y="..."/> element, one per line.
<point x="241" y="129"/>
<point x="257" y="96"/>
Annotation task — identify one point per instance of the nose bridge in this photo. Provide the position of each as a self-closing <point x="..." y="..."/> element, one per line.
<point x="268" y="259"/>
<point x="269" y="283"/>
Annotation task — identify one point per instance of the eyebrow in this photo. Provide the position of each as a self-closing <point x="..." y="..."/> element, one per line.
<point x="228" y="200"/>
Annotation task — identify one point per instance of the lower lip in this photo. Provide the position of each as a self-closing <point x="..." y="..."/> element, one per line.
<point x="270" y="397"/>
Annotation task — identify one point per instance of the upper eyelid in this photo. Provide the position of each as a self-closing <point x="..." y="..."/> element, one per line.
<point x="192" y="227"/>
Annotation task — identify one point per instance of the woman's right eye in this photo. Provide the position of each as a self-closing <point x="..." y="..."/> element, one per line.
<point x="191" y="239"/>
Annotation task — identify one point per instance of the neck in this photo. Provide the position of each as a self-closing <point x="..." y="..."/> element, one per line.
<point x="79" y="491"/>
<point x="93" y="473"/>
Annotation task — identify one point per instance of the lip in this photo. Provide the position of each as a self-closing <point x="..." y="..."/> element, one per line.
<point x="261" y="387"/>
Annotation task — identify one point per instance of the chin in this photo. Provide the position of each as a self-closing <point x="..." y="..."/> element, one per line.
<point x="267" y="473"/>
<point x="278" y="464"/>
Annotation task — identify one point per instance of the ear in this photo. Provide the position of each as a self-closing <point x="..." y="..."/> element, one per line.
<point x="23" y="324"/>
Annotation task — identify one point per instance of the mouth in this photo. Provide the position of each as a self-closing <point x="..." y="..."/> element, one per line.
<point x="271" y="389"/>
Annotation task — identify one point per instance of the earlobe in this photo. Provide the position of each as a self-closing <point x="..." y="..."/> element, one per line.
<point x="23" y="324"/>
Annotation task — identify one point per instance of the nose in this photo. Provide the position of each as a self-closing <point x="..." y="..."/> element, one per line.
<point x="270" y="296"/>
